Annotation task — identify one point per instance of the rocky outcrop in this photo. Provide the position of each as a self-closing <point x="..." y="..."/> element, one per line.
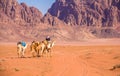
<point x="52" y="20"/>
<point x="19" y="21"/>
<point x="66" y="20"/>
<point x="87" y="12"/>
<point x="12" y="11"/>
<point x="30" y="14"/>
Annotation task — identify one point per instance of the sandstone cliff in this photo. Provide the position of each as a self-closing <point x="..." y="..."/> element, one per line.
<point x="101" y="17"/>
<point x="19" y="21"/>
<point x="87" y="12"/>
<point x="66" y="20"/>
<point x="21" y="14"/>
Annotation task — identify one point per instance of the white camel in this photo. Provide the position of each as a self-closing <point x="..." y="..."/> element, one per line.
<point x="21" y="48"/>
<point x="49" y="46"/>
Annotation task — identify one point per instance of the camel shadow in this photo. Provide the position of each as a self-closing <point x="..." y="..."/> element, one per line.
<point x="15" y="57"/>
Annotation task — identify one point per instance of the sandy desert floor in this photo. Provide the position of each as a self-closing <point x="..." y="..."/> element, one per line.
<point x="69" y="59"/>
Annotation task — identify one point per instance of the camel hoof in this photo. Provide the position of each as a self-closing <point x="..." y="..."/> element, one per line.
<point x="38" y="56"/>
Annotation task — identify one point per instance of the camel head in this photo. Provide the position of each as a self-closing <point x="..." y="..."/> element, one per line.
<point x="53" y="43"/>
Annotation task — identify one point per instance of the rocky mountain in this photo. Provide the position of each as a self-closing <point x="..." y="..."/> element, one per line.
<point x="12" y="11"/>
<point x="18" y="21"/>
<point x="66" y="20"/>
<point x="102" y="16"/>
<point x="101" y="13"/>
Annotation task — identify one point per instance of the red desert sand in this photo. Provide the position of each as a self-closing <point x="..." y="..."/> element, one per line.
<point x="84" y="58"/>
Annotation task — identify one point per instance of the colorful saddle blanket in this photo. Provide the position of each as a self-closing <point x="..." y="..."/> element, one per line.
<point x="23" y="43"/>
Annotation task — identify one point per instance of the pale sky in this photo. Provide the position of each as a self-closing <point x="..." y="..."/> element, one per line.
<point x="42" y="5"/>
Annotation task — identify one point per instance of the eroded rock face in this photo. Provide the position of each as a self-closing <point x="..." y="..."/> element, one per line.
<point x="52" y="20"/>
<point x="19" y="21"/>
<point x="66" y="20"/>
<point x="87" y="12"/>
<point x="11" y="10"/>
<point x="30" y="14"/>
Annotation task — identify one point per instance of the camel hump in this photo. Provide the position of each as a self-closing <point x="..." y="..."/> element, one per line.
<point x="45" y="42"/>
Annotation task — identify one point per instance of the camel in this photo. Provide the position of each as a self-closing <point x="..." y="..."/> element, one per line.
<point x="49" y="45"/>
<point x="36" y="47"/>
<point x="21" y="49"/>
<point x="41" y="47"/>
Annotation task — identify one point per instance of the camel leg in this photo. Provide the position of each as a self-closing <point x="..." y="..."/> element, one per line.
<point x="23" y="52"/>
<point x="42" y="51"/>
<point x="49" y="52"/>
<point x="18" y="51"/>
<point x="33" y="53"/>
<point x="38" y="53"/>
